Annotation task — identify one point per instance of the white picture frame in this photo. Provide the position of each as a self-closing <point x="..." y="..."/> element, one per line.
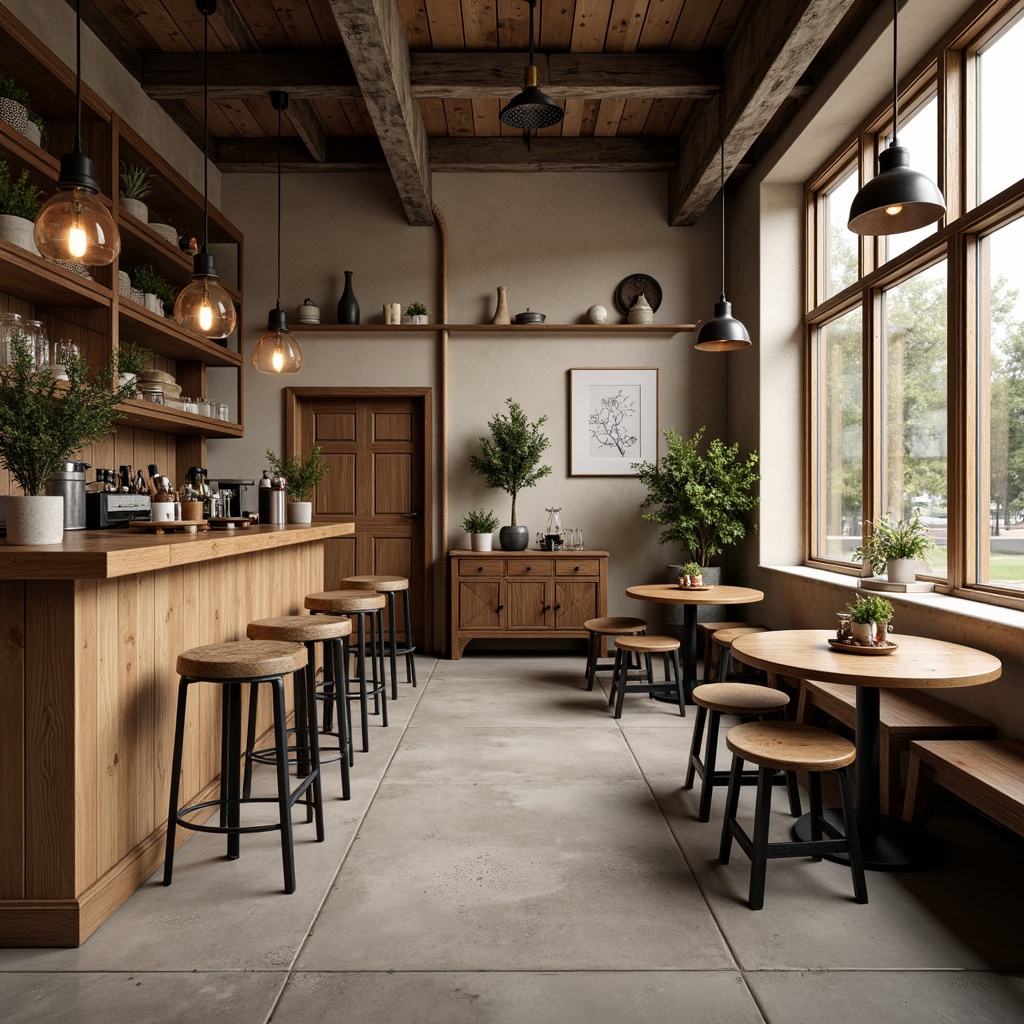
<point x="613" y="419"/>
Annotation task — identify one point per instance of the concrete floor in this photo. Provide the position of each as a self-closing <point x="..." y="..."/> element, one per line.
<point x="513" y="854"/>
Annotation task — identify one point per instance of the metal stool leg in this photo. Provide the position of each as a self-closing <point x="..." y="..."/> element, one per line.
<point x="230" y="784"/>
<point x="410" y="650"/>
<point x="732" y="803"/>
<point x="172" y="809"/>
<point x="281" y="743"/>
<point x="710" y="760"/>
<point x="392" y="642"/>
<point x="860" y="888"/>
<point x="759" y="854"/>
<point x="698" y="735"/>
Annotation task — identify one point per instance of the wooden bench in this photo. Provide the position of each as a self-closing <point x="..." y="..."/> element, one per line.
<point x="904" y="716"/>
<point x="988" y="774"/>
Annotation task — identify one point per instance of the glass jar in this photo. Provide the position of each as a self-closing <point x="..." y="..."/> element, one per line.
<point x="844" y="628"/>
<point x="10" y="323"/>
<point x="222" y="411"/>
<point x="553" y="532"/>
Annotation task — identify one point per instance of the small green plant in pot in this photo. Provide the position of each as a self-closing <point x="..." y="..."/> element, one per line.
<point x="510" y="459"/>
<point x="134" y="187"/>
<point x="480" y="525"/>
<point x="149" y="282"/>
<point x="870" y="617"/>
<point x="690" y="575"/>
<point x="20" y="201"/>
<point x="901" y="541"/>
<point x="301" y="477"/>
<point x="416" y="313"/>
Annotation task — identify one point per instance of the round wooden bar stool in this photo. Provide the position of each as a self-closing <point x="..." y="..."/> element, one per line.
<point x="308" y="630"/>
<point x="745" y="700"/>
<point x="389" y="586"/>
<point x="721" y="651"/>
<point x="626" y="647"/>
<point x="787" y="746"/>
<point x="706" y="631"/>
<point x="609" y="625"/>
<point x="232" y="665"/>
<point x="366" y="612"/>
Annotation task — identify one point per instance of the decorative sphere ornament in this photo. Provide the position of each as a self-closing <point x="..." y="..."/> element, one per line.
<point x="597" y="314"/>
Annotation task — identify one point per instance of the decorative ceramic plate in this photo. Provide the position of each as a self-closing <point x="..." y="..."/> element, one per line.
<point x="848" y="648"/>
<point x="629" y="288"/>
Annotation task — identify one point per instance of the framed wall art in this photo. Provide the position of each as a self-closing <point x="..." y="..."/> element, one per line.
<point x="613" y="420"/>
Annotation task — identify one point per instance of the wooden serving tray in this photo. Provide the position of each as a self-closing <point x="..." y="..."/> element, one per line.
<point x="229" y="522"/>
<point x="841" y="645"/>
<point x="171" y="526"/>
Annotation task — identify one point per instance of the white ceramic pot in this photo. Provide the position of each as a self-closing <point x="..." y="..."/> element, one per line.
<point x="18" y="231"/>
<point x="137" y="208"/>
<point x="481" y="541"/>
<point x="35" y="519"/>
<point x="901" y="570"/>
<point x="33" y="134"/>
<point x="862" y="632"/>
<point x="299" y="511"/>
<point x="153" y="303"/>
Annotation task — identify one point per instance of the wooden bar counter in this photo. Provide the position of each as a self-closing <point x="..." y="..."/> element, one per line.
<point x="89" y="633"/>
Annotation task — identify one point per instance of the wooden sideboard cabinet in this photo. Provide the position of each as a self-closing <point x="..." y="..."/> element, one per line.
<point x="525" y="594"/>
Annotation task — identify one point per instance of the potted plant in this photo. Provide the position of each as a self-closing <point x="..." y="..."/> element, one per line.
<point x="135" y="186"/>
<point x="43" y="423"/>
<point x="13" y="104"/>
<point x="509" y="459"/>
<point x="36" y="131"/>
<point x="690" y="575"/>
<point x="480" y="526"/>
<point x="155" y="289"/>
<point x="415" y="313"/>
<point x="895" y="546"/>
<point x="19" y="203"/>
<point x="870" y="617"/>
<point x="301" y="476"/>
<point x="699" y="497"/>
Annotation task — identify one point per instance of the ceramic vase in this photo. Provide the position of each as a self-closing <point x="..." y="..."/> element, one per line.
<point x="501" y="315"/>
<point x="299" y="511"/>
<point x="513" y="538"/>
<point x="862" y="632"/>
<point x="901" y="570"/>
<point x="348" y="307"/>
<point x="481" y="541"/>
<point x="136" y="207"/>
<point x="641" y="312"/>
<point x="35" y="519"/>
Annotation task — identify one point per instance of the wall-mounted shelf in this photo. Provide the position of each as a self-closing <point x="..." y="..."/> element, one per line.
<point x="494" y="328"/>
<point x="149" y="416"/>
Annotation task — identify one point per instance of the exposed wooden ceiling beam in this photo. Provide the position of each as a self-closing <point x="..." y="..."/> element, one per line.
<point x="374" y="37"/>
<point x="769" y="51"/>
<point x="260" y="155"/>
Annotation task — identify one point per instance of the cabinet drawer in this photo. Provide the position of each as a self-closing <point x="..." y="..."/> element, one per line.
<point x="531" y="567"/>
<point x="578" y="567"/>
<point x="481" y="567"/>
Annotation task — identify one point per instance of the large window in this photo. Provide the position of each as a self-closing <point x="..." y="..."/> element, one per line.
<point x="916" y="341"/>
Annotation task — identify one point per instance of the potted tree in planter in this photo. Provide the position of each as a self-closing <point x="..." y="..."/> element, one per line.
<point x="134" y="187"/>
<point x="870" y="618"/>
<point x="895" y="546"/>
<point x="43" y="423"/>
<point x="20" y="201"/>
<point x="509" y="459"/>
<point x="301" y="476"/>
<point x="480" y="526"/>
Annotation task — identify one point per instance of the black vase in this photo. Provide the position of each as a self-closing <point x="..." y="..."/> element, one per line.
<point x="348" y="308"/>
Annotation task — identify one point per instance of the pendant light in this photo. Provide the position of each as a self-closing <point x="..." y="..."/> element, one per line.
<point x="205" y="307"/>
<point x="896" y="199"/>
<point x="531" y="108"/>
<point x="75" y="224"/>
<point x="277" y="351"/>
<point x="723" y="332"/>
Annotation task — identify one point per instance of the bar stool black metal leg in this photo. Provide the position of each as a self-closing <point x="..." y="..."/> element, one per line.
<point x="283" y="798"/>
<point x="698" y="735"/>
<point x="330" y="686"/>
<point x="710" y="760"/>
<point x="860" y="888"/>
<point x="313" y="751"/>
<point x="672" y="657"/>
<point x="231" y="783"/>
<point x="588" y="672"/>
<point x="172" y="808"/>
<point x="732" y="803"/>
<point x="615" y="676"/>
<point x="392" y="642"/>
<point x="345" y="753"/>
<point x="250" y="742"/>
<point x="814" y="790"/>
<point x="759" y="854"/>
<point x="383" y="684"/>
<point x="410" y="650"/>
<point x="364" y="711"/>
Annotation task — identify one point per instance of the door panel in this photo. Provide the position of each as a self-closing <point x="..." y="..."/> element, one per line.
<point x="336" y="428"/>
<point x="479" y="604"/>
<point x="574" y="604"/>
<point x="392" y="483"/>
<point x="392" y="427"/>
<point x="528" y="605"/>
<point x="336" y="493"/>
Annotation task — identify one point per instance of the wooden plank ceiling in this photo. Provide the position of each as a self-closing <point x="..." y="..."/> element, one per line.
<point x="415" y="86"/>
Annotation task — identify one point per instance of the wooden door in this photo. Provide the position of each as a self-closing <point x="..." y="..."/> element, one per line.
<point x="375" y="444"/>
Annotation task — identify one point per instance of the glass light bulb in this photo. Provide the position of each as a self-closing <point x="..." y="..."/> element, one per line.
<point x="75" y="224"/>
<point x="277" y="360"/>
<point x="205" y="316"/>
<point x="77" y="242"/>
<point x="894" y="210"/>
<point x="205" y="307"/>
<point x="276" y="352"/>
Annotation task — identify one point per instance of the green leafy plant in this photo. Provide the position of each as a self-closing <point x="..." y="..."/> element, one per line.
<point x="895" y="538"/>
<point x="690" y="569"/>
<point x="415" y="309"/>
<point x="43" y="422"/>
<point x="480" y="522"/>
<point x="699" y="498"/>
<point x="870" y="609"/>
<point x="300" y="475"/>
<point x="509" y="457"/>
<point x="135" y="183"/>
<point x="10" y="90"/>
<point x="44" y="135"/>
<point x="18" y="197"/>
<point x="146" y="279"/>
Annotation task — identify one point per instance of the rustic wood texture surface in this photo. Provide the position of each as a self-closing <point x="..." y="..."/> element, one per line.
<point x="669" y="593"/>
<point x="299" y="628"/>
<point x="612" y="625"/>
<point x="739" y="698"/>
<point x="241" y="659"/>
<point x="647" y="644"/>
<point x="342" y="601"/>
<point x="790" y="747"/>
<point x="381" y="584"/>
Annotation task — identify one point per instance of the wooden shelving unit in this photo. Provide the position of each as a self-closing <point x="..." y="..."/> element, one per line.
<point x="493" y="328"/>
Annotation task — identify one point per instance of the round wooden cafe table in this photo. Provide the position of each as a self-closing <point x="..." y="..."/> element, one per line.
<point x="670" y="593"/>
<point x="919" y="663"/>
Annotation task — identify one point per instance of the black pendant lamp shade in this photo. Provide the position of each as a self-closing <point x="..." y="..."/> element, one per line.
<point x="74" y="223"/>
<point x="897" y="199"/>
<point x="277" y="351"/>
<point x="204" y="306"/>
<point x="531" y="109"/>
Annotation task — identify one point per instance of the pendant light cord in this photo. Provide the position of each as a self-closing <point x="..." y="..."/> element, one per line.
<point x="78" y="76"/>
<point x="206" y="130"/>
<point x="895" y="71"/>
<point x="533" y="4"/>
<point x="279" y="207"/>
<point x="721" y="147"/>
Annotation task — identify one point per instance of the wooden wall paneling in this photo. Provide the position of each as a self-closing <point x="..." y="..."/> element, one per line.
<point x="12" y="739"/>
<point x="195" y="764"/>
<point x="107" y="809"/>
<point x="49" y="740"/>
<point x="168" y="607"/>
<point x="87" y="686"/>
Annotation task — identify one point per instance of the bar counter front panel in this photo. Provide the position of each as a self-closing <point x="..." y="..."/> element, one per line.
<point x="89" y="633"/>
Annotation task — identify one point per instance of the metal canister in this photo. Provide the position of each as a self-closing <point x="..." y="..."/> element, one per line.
<point x="271" y="502"/>
<point x="70" y="485"/>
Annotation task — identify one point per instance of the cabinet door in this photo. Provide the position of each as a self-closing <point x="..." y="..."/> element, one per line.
<point x="479" y="604"/>
<point x="528" y="604"/>
<point x="575" y="602"/>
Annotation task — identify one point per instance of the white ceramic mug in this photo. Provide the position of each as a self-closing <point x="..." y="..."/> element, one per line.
<point x="162" y="512"/>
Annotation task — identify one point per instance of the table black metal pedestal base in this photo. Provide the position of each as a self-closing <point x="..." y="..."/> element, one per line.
<point x="689" y="653"/>
<point x="897" y="846"/>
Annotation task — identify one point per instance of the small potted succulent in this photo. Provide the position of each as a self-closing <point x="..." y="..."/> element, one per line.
<point x="895" y="546"/>
<point x="135" y="186"/>
<point x="156" y="290"/>
<point x="480" y="526"/>
<point x="301" y="476"/>
<point x="870" y="617"/>
<point x="415" y="313"/>
<point x="20" y="201"/>
<point x="690" y="575"/>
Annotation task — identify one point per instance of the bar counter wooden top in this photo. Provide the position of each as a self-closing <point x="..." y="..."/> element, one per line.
<point x="105" y="554"/>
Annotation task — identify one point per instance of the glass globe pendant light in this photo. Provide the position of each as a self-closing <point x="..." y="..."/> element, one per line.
<point x="205" y="306"/>
<point x="531" y="109"/>
<point x="897" y="199"/>
<point x="277" y="351"/>
<point x="74" y="223"/>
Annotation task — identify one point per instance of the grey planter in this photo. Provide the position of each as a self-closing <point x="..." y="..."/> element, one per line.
<point x="514" y="538"/>
<point x="705" y="612"/>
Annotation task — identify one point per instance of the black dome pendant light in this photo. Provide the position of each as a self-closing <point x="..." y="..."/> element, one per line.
<point x="531" y="109"/>
<point x="723" y="332"/>
<point x="896" y="199"/>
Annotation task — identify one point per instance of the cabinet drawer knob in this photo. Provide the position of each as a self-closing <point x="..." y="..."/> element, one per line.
<point x="499" y="608"/>
<point x="529" y="568"/>
<point x="575" y="568"/>
<point x="479" y="568"/>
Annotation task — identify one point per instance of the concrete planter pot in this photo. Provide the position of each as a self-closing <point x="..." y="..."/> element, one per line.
<point x="18" y="231"/>
<point x="299" y="511"/>
<point x="901" y="570"/>
<point x="481" y="541"/>
<point x="712" y="577"/>
<point x="137" y="208"/>
<point x="514" y="538"/>
<point x="35" y="519"/>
